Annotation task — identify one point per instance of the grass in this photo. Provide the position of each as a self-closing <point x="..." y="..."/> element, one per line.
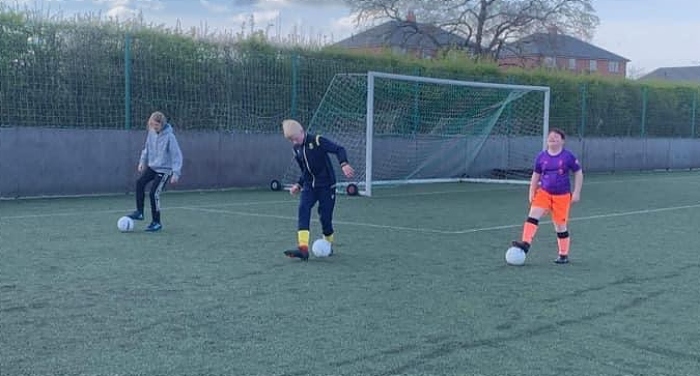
<point x="418" y="285"/>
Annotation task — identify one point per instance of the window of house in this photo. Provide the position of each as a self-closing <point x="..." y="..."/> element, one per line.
<point x="572" y="64"/>
<point x="613" y="66"/>
<point x="550" y="61"/>
<point x="593" y="66"/>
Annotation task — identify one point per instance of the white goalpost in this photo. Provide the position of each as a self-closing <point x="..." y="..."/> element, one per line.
<point x="401" y="129"/>
<point x="372" y="77"/>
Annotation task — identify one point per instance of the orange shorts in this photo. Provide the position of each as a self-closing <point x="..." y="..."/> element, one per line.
<point x="557" y="205"/>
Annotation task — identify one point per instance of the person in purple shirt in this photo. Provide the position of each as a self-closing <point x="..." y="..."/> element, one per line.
<point x="550" y="191"/>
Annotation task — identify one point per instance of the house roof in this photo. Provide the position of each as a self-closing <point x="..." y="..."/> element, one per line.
<point x="404" y="34"/>
<point x="557" y="44"/>
<point x="687" y="74"/>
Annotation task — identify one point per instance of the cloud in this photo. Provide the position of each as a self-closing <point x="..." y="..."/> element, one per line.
<point x="267" y="4"/>
<point x="262" y="18"/>
<point x="343" y="27"/>
<point x="19" y="2"/>
<point x="151" y="4"/>
<point x="121" y="12"/>
<point x="133" y="4"/>
<point x="214" y="8"/>
<point x="113" y="3"/>
<point x="126" y="9"/>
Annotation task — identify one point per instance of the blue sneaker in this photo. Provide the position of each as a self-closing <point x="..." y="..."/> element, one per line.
<point x="136" y="215"/>
<point x="153" y="227"/>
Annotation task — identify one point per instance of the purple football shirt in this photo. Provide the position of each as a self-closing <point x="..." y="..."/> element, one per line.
<point x="555" y="171"/>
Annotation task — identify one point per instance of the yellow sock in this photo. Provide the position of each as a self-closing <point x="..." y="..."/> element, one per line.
<point x="329" y="238"/>
<point x="303" y="238"/>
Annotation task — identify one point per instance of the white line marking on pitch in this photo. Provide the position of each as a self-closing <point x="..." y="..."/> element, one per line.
<point x="260" y="215"/>
<point x="290" y="201"/>
<point x="458" y="232"/>
<point x="110" y="211"/>
<point x="585" y="218"/>
<point x="509" y="187"/>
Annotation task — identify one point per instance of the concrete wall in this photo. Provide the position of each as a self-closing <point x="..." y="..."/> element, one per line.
<point x="598" y="154"/>
<point x="38" y="162"/>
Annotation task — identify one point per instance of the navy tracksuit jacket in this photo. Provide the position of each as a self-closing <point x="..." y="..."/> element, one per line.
<point x="317" y="179"/>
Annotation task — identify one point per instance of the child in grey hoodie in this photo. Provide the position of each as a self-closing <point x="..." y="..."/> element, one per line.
<point x="160" y="162"/>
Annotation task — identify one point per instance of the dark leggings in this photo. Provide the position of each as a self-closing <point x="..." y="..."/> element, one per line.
<point x="159" y="181"/>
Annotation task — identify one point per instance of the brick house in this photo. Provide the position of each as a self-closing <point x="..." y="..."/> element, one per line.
<point x="560" y="51"/>
<point x="404" y="37"/>
<point x="676" y="74"/>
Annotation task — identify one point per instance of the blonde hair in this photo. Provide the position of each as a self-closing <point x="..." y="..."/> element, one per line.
<point x="159" y="117"/>
<point x="291" y="128"/>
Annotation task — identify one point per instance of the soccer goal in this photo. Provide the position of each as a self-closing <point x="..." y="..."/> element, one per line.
<point x="401" y="129"/>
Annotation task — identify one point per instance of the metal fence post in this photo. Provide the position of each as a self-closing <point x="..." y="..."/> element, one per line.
<point x="416" y="102"/>
<point x="693" y="115"/>
<point x="509" y="110"/>
<point x="584" y="101"/>
<point x="295" y="84"/>
<point x="127" y="81"/>
<point x="644" y="111"/>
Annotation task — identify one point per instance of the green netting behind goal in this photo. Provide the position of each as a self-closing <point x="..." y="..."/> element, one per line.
<point x="403" y="129"/>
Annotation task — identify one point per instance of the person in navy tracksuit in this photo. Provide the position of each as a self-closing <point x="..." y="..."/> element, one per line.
<point x="316" y="183"/>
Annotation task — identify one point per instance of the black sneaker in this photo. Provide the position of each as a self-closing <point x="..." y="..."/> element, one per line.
<point x="525" y="246"/>
<point x="297" y="253"/>
<point x="562" y="260"/>
<point x="136" y="215"/>
<point x="153" y="227"/>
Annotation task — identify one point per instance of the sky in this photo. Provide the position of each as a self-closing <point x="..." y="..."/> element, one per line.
<point x="650" y="33"/>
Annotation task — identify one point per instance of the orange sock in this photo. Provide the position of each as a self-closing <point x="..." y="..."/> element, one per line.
<point x="564" y="241"/>
<point x="530" y="229"/>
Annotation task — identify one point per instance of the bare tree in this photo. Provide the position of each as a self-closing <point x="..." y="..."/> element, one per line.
<point x="634" y="72"/>
<point x="487" y="24"/>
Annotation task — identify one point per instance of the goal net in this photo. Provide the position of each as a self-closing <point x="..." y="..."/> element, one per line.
<point x="401" y="129"/>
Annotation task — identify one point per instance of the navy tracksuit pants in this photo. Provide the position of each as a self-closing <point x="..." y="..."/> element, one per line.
<point x="325" y="196"/>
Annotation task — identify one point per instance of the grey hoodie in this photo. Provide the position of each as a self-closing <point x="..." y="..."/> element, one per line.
<point x="162" y="152"/>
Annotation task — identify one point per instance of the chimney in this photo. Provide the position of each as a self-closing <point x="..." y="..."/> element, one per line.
<point x="553" y="30"/>
<point x="410" y="16"/>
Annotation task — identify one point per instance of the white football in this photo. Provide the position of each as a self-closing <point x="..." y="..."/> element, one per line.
<point x="125" y="224"/>
<point x="515" y="256"/>
<point x="321" y="248"/>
